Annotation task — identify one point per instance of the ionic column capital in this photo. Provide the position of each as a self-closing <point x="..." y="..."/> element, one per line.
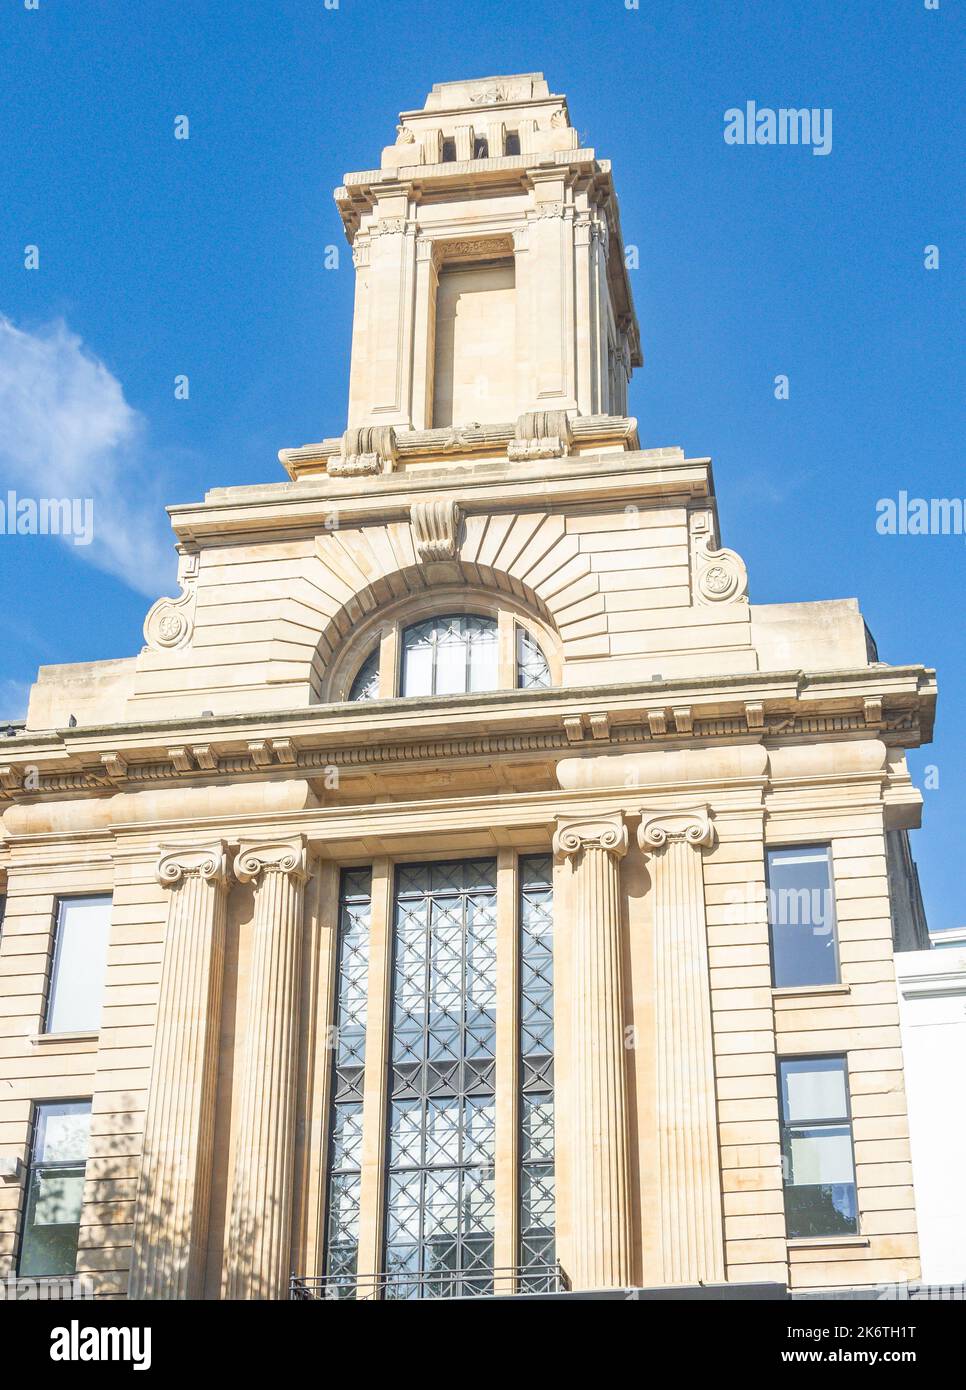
<point x="574" y="834"/>
<point x="272" y="856"/>
<point x="692" y="826"/>
<point x="178" y="862"/>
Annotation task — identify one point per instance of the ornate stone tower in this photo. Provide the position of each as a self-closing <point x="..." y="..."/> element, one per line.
<point x="492" y="304"/>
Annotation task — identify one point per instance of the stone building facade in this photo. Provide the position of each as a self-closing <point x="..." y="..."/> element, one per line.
<point x="466" y="889"/>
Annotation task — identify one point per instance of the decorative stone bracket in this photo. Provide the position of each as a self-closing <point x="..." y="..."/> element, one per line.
<point x="170" y="621"/>
<point x="540" y="434"/>
<point x="718" y="576"/>
<point x="368" y="449"/>
<point x="435" y="527"/>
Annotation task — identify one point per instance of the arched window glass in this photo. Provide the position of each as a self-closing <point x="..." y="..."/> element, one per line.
<point x="453" y="655"/>
<point x="533" y="671"/>
<point x="366" y="684"/>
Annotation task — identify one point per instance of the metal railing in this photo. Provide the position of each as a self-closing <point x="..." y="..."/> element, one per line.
<point x="435" y="1284"/>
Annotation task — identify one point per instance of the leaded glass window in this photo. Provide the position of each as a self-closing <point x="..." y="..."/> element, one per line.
<point x="533" y="672"/>
<point x="366" y="684"/>
<point x="349" y="1049"/>
<point x="537" y="1197"/>
<point x="452" y="655"/>
<point x="440" y="1180"/>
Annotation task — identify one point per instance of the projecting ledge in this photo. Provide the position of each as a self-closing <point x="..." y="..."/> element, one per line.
<point x="662" y="767"/>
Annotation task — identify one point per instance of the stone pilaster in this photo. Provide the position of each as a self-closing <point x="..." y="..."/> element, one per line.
<point x="691" y="1220"/>
<point x="602" y="1254"/>
<point x="171" y="1212"/>
<point x="260" y="1220"/>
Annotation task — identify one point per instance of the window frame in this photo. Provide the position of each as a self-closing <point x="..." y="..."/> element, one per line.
<point x="54" y="959"/>
<point x="533" y="1271"/>
<point x="513" y="876"/>
<point x="467" y="1279"/>
<point x="785" y="847"/>
<point x="785" y="1126"/>
<point x="385" y="631"/>
<point x="31" y="1168"/>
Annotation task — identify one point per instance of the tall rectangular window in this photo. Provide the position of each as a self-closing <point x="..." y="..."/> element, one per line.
<point x="80" y="965"/>
<point x="801" y="917"/>
<point x="440" y="1182"/>
<point x="55" y="1188"/>
<point x="537" y="1197"/>
<point x="818" y="1168"/>
<point x="348" y="1075"/>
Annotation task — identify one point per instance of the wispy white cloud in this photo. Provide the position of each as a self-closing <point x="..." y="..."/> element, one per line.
<point x="66" y="431"/>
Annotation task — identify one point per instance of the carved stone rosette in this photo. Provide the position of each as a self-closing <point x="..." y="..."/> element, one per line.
<point x="171" y="1210"/>
<point x="435" y="527"/>
<point x="602" y="1252"/>
<point x="260" y="1219"/>
<point x="691" y="1213"/>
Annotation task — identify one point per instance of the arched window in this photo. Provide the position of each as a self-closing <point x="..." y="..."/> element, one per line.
<point x="450" y="656"/>
<point x="366" y="684"/>
<point x="453" y="653"/>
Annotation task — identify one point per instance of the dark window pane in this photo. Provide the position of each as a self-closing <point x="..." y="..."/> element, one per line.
<point x="533" y="672"/>
<point x="366" y="684"/>
<point x="801" y="915"/>
<point x="823" y="1210"/>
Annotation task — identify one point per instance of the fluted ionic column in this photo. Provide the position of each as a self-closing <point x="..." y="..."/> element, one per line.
<point x="602" y="1253"/>
<point x="690" y="1171"/>
<point x="260" y="1220"/>
<point x="171" y="1211"/>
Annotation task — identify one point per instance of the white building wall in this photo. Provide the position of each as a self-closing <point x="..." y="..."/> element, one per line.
<point x="932" y="1008"/>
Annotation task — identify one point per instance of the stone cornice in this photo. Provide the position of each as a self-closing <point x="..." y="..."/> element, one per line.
<point x="283" y="510"/>
<point x="894" y="704"/>
<point x="459" y="442"/>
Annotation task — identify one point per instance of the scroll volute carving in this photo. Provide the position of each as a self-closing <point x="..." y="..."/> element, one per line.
<point x="435" y="527"/>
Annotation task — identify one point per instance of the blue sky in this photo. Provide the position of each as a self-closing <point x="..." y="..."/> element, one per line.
<point x="205" y="257"/>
